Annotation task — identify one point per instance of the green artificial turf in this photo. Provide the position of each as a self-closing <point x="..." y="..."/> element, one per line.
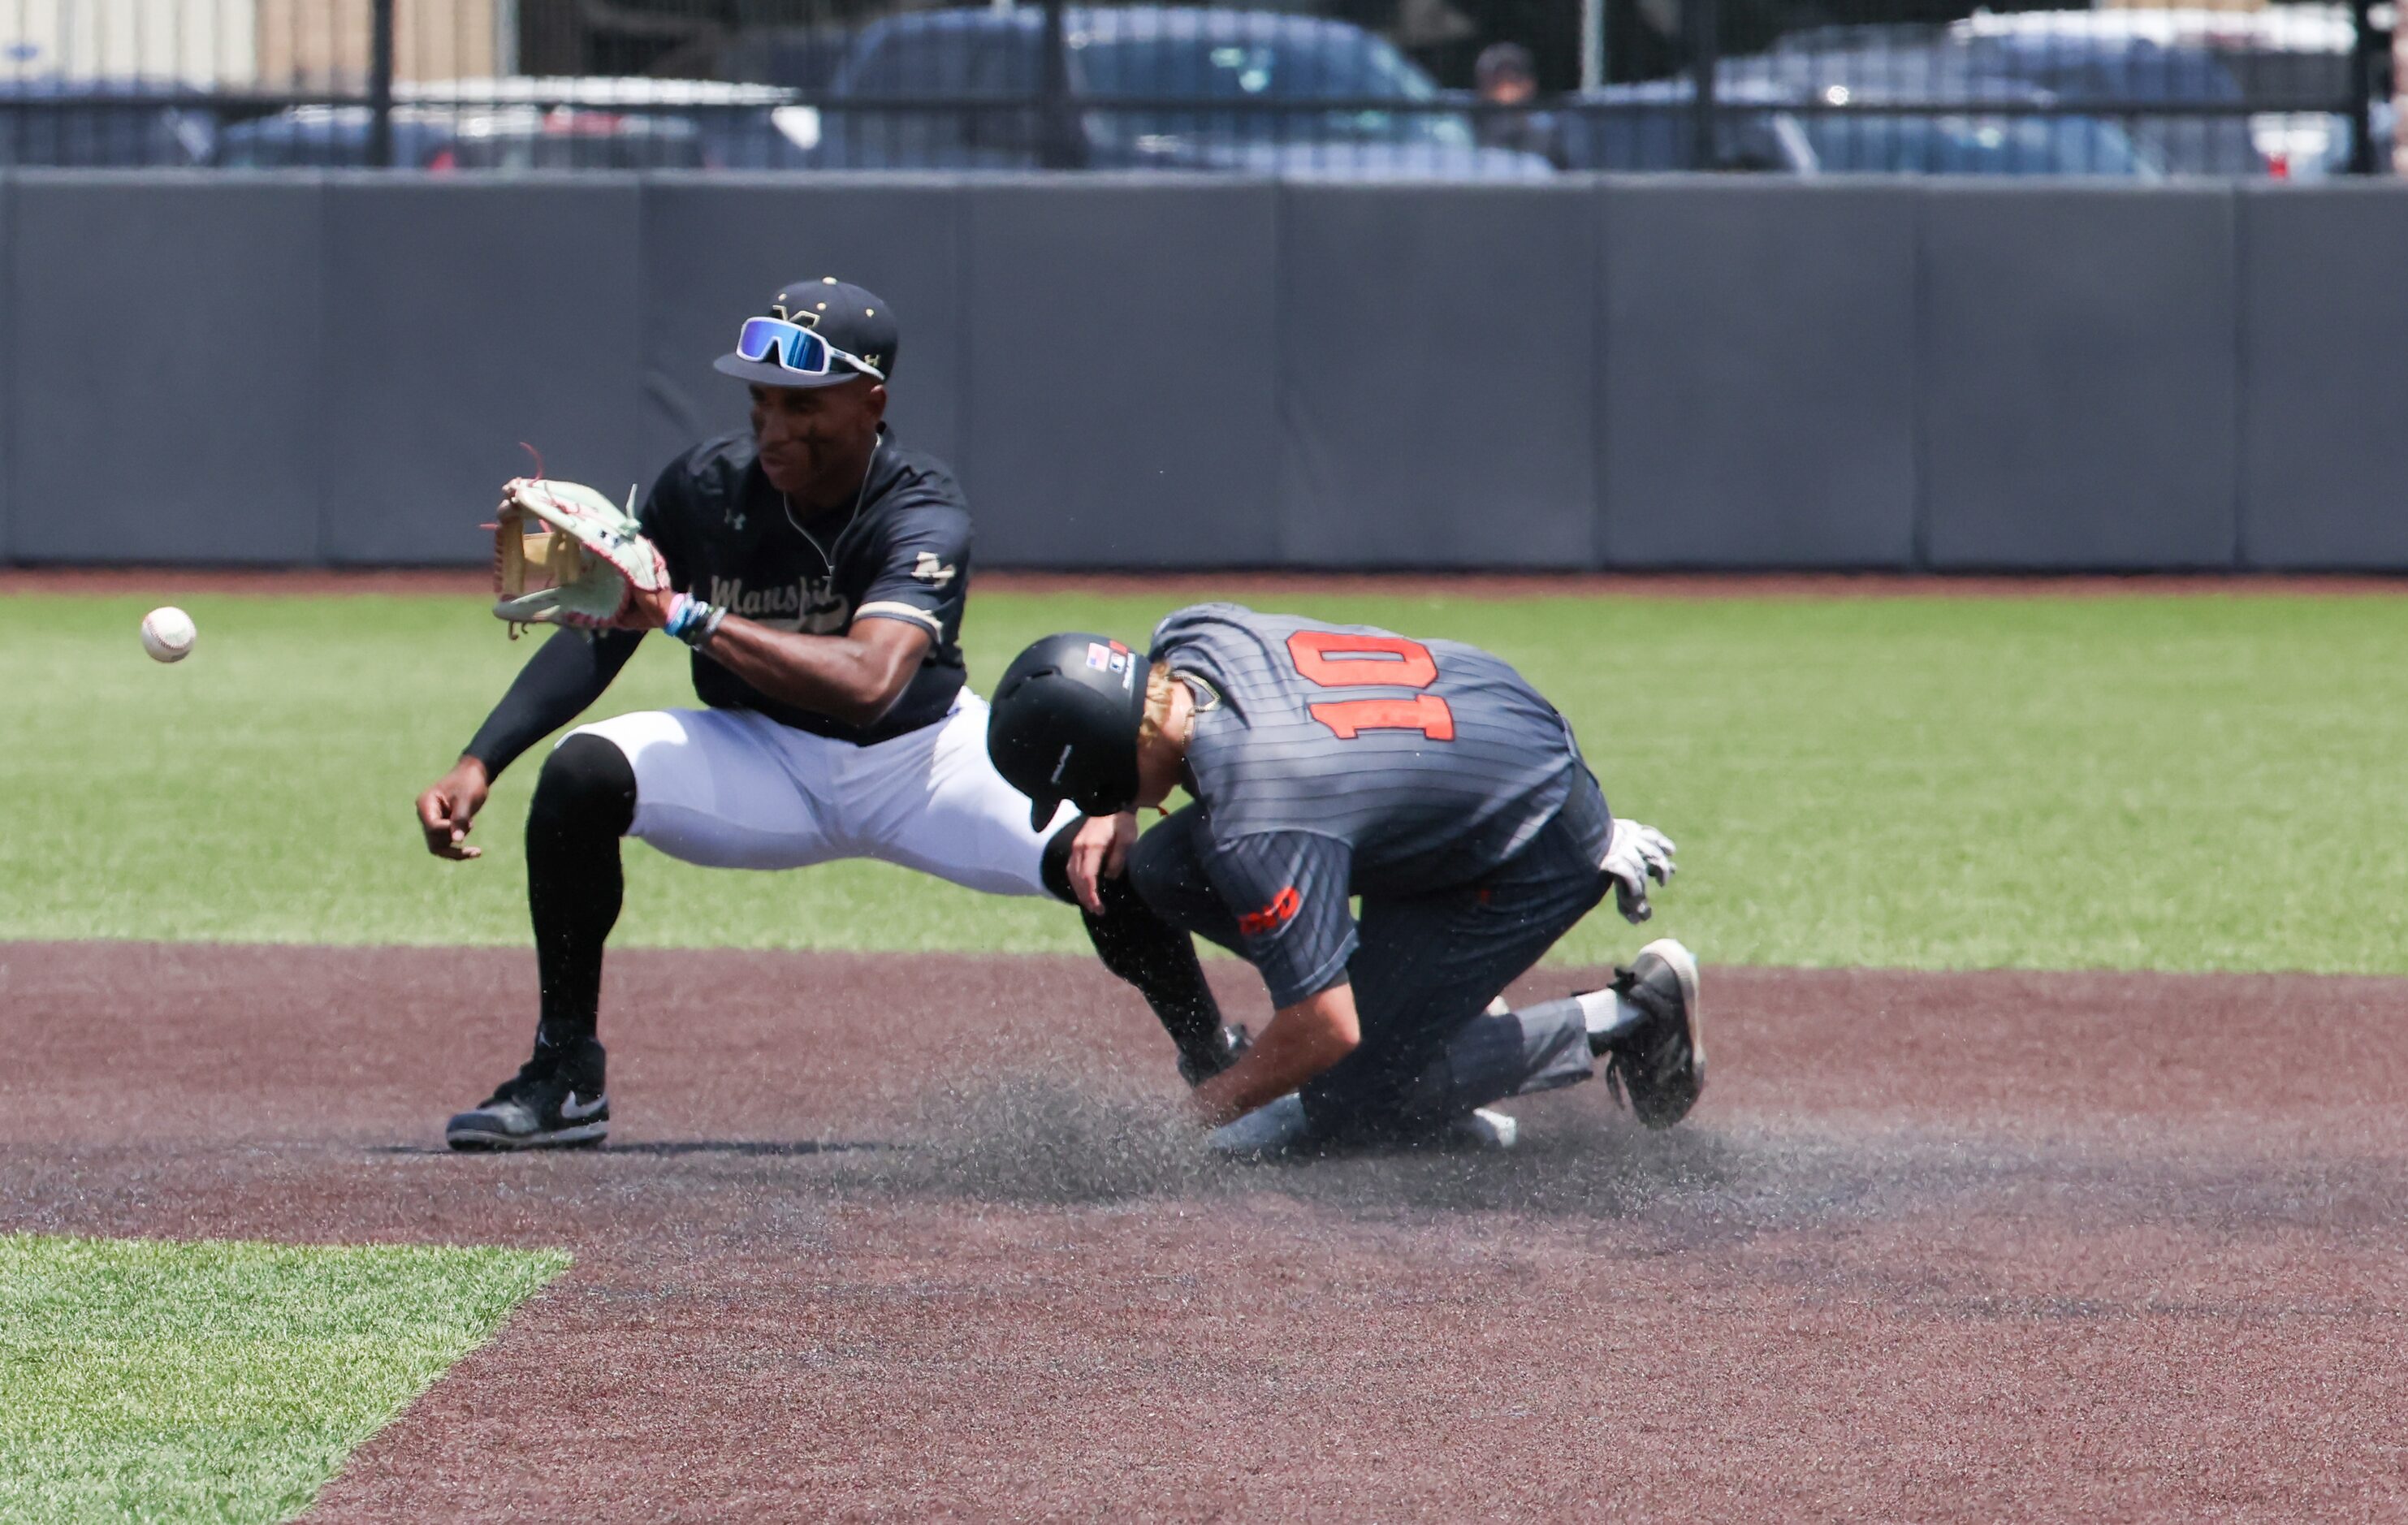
<point x="212" y="1381"/>
<point x="2202" y="783"/>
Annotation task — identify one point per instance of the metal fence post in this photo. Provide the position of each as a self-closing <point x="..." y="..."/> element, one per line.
<point x="1697" y="26"/>
<point x="505" y="37"/>
<point x="380" y="85"/>
<point x="1057" y="145"/>
<point x="1592" y="73"/>
<point x="2361" y="87"/>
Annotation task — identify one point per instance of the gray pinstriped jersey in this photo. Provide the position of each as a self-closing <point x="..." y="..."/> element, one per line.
<point x="1270" y="749"/>
<point x="1330" y="757"/>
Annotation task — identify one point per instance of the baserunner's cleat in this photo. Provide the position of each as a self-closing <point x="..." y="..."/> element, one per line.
<point x="555" y="1102"/>
<point x="1655" y="1052"/>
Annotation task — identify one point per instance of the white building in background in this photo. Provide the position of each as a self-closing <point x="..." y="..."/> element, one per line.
<point x="268" y="44"/>
<point x="203" y="42"/>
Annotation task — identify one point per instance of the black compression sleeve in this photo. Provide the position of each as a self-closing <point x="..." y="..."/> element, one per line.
<point x="569" y="673"/>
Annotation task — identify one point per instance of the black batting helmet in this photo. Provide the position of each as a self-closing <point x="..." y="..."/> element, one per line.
<point x="1065" y="723"/>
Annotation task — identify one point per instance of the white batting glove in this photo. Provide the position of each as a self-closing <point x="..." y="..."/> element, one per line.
<point x="1639" y="853"/>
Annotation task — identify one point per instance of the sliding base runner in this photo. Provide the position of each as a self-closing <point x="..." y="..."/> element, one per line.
<point x="1328" y="761"/>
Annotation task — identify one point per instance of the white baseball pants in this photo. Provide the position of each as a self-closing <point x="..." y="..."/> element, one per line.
<point x="732" y="789"/>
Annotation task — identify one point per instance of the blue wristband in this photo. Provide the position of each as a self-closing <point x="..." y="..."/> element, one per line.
<point x="690" y="620"/>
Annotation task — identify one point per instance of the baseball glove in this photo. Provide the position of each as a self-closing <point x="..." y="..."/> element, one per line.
<point x="566" y="555"/>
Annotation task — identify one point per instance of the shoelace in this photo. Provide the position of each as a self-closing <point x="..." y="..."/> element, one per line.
<point x="1613" y="1084"/>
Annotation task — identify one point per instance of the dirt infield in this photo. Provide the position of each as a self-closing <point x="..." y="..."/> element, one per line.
<point x="1934" y="1247"/>
<point x="474" y="582"/>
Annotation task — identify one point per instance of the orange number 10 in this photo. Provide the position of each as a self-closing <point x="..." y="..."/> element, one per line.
<point x="1334" y="660"/>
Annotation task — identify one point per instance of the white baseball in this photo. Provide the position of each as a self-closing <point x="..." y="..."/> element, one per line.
<point x="168" y="634"/>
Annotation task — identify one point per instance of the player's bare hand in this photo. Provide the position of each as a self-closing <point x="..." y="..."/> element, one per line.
<point x="1639" y="853"/>
<point x="648" y="609"/>
<point x="1100" y="852"/>
<point x="448" y="811"/>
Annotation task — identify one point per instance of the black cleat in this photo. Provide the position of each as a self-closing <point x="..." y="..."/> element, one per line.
<point x="1232" y="1041"/>
<point x="555" y="1102"/>
<point x="1658" y="1064"/>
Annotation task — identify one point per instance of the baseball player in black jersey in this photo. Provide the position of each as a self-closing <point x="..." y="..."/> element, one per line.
<point x="817" y="569"/>
<point x="1329" y="761"/>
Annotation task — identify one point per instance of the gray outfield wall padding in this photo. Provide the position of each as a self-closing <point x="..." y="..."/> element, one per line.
<point x="2323" y="346"/>
<point x="1438" y="375"/>
<point x="164" y="362"/>
<point x="1187" y="371"/>
<point x="1122" y="395"/>
<point x="1755" y="411"/>
<point x="715" y="251"/>
<point x="2080" y="378"/>
<point x="460" y="322"/>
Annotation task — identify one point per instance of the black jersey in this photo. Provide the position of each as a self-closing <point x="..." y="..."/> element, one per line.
<point x="901" y="551"/>
<point x="1332" y="760"/>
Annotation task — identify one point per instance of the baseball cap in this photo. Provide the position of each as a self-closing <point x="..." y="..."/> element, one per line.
<point x="1504" y="61"/>
<point x="850" y="319"/>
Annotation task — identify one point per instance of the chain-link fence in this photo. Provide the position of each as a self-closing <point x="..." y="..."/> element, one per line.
<point x="1450" y="89"/>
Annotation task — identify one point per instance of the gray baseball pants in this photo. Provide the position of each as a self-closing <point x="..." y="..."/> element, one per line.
<point x="1423" y="972"/>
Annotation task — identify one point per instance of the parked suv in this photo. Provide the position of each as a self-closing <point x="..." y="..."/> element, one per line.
<point x="1771" y="125"/>
<point x="1147" y="88"/>
<point x="2191" y="117"/>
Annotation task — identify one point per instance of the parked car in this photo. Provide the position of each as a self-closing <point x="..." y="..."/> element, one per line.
<point x="2288" y="63"/>
<point x="2100" y="74"/>
<point x="2311" y="148"/>
<point x="773" y="134"/>
<point x="444" y="138"/>
<point x="104" y="123"/>
<point x="520" y="123"/>
<point x="2276" y="54"/>
<point x="1147" y="88"/>
<point x="2291" y="63"/>
<point x="1770" y="125"/>
<point x="800" y="58"/>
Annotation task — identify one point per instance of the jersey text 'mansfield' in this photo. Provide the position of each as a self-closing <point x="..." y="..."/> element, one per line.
<point x="902" y="553"/>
